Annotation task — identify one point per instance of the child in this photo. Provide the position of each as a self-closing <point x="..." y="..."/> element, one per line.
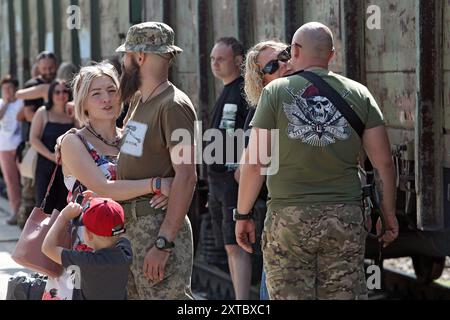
<point x="103" y="271"/>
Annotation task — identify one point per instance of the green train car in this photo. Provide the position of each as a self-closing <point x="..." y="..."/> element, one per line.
<point x="400" y="49"/>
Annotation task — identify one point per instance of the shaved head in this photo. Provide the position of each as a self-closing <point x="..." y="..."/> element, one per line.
<point x="316" y="37"/>
<point x="316" y="40"/>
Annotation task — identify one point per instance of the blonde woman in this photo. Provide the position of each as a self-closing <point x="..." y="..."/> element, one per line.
<point x="89" y="155"/>
<point x="266" y="61"/>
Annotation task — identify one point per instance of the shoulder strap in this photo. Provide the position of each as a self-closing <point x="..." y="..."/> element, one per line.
<point x="77" y="133"/>
<point x="83" y="140"/>
<point x="338" y="101"/>
<point x="52" y="179"/>
<point x="77" y="186"/>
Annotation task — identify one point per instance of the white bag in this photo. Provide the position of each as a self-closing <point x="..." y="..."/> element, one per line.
<point x="27" y="167"/>
<point x="60" y="288"/>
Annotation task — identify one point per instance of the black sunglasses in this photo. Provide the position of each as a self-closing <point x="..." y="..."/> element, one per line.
<point x="61" y="91"/>
<point x="273" y="65"/>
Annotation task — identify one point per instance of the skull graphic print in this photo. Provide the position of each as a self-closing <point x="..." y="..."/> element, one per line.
<point x="313" y="119"/>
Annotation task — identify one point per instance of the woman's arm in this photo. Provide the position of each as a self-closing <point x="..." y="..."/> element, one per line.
<point x="36" y="92"/>
<point x="37" y="127"/>
<point x="78" y="162"/>
<point x="50" y="246"/>
<point x="21" y="115"/>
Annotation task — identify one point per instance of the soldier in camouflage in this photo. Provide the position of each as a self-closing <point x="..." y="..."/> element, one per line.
<point x="161" y="241"/>
<point x="314" y="240"/>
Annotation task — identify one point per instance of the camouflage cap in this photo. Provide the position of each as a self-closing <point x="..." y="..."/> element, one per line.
<point x="150" y="37"/>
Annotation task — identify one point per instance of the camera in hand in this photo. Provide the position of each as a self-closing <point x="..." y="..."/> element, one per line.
<point x="79" y="199"/>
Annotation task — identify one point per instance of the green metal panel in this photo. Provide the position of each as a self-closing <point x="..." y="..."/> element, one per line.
<point x="56" y="9"/>
<point x="391" y="48"/>
<point x="293" y="17"/>
<point x="76" y="59"/>
<point x="12" y="38"/>
<point x="268" y="18"/>
<point x="246" y="23"/>
<point x="353" y="30"/>
<point x="429" y="144"/>
<point x="391" y="62"/>
<point x="224" y="19"/>
<point x="206" y="42"/>
<point x="169" y="17"/>
<point x="446" y="53"/>
<point x="96" y="51"/>
<point x="26" y="71"/>
<point x="136" y="9"/>
<point x="41" y="24"/>
<point x="329" y="13"/>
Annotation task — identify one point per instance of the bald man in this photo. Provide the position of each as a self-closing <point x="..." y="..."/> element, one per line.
<point x="314" y="239"/>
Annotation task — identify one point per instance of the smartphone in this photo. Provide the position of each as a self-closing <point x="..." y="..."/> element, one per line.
<point x="79" y="199"/>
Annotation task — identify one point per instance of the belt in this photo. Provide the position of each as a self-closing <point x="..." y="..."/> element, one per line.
<point x="139" y="208"/>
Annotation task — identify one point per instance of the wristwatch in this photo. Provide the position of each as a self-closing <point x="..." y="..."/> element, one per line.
<point x="237" y="216"/>
<point x="162" y="243"/>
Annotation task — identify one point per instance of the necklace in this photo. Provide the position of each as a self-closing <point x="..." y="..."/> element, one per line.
<point x="99" y="137"/>
<point x="154" y="90"/>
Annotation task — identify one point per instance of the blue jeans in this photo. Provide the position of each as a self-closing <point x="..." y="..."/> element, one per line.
<point x="263" y="293"/>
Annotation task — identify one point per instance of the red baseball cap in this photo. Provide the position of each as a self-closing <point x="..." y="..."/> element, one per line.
<point x="104" y="217"/>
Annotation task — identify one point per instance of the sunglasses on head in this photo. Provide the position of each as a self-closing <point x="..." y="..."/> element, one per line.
<point x="273" y="65"/>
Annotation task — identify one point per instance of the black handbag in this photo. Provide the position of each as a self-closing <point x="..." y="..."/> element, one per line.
<point x="26" y="287"/>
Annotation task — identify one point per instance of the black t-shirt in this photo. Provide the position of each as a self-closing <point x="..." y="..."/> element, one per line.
<point x="33" y="104"/>
<point x="230" y="112"/>
<point x="103" y="273"/>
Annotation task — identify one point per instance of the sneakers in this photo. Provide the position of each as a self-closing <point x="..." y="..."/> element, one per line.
<point x="12" y="221"/>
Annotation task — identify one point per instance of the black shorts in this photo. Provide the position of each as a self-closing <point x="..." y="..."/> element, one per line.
<point x="222" y="199"/>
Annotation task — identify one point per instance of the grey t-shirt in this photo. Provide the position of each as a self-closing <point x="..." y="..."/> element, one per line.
<point x="103" y="273"/>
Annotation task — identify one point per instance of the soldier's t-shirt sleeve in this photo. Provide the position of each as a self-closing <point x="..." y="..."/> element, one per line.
<point x="264" y="117"/>
<point x="178" y="122"/>
<point x="375" y="117"/>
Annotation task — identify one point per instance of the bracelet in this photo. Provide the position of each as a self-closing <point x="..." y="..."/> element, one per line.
<point x="151" y="185"/>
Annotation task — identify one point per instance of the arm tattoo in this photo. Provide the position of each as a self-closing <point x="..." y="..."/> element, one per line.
<point x="378" y="184"/>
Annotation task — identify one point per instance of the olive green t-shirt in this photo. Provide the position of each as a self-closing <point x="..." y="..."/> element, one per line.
<point x="318" y="148"/>
<point x="148" y="135"/>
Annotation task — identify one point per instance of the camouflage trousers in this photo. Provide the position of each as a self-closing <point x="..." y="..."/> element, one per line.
<point x="142" y="231"/>
<point x="315" y="252"/>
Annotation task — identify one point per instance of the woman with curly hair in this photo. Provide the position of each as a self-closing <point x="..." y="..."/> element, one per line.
<point x="266" y="61"/>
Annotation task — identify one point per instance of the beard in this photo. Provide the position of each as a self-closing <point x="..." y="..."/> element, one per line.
<point x="130" y="82"/>
<point x="48" y="78"/>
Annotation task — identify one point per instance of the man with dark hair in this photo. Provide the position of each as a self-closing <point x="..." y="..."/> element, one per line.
<point x="230" y="112"/>
<point x="47" y="65"/>
<point x="236" y="46"/>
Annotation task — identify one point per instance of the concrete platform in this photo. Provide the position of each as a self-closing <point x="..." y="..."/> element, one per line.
<point x="8" y="239"/>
